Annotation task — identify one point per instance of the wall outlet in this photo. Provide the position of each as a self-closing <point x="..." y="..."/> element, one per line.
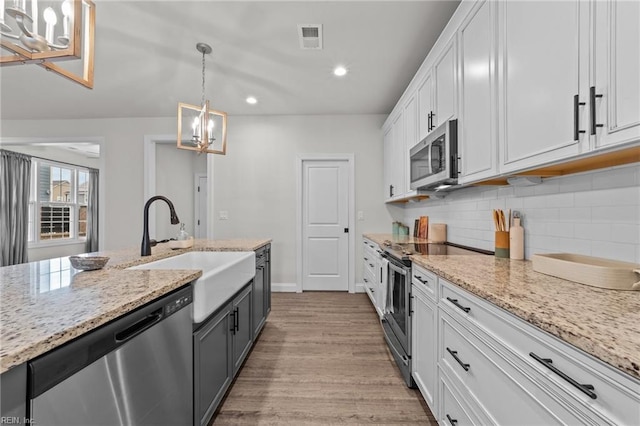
<point x="223" y="215"/>
<point x="360" y="215"/>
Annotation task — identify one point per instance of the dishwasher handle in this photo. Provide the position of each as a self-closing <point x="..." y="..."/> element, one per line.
<point x="139" y="327"/>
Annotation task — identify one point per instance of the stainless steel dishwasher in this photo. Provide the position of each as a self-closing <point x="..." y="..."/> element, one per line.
<point x="135" y="370"/>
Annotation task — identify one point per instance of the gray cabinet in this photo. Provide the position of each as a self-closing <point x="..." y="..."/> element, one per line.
<point x="213" y="366"/>
<point x="262" y="288"/>
<point x="242" y="332"/>
<point x="220" y="346"/>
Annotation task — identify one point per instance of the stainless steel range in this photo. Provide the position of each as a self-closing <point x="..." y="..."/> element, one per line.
<point x="396" y="321"/>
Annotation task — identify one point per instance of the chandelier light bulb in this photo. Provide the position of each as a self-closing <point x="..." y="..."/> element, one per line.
<point x="51" y="19"/>
<point x="210" y="126"/>
<point x="66" y="8"/>
<point x="194" y="126"/>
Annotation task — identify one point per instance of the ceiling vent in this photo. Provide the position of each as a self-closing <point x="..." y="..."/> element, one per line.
<point x="310" y="36"/>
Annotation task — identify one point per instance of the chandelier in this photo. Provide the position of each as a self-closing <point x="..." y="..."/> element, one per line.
<point x="21" y="35"/>
<point x="199" y="127"/>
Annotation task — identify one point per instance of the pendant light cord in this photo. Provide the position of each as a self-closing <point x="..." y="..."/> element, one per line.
<point x="202" y="103"/>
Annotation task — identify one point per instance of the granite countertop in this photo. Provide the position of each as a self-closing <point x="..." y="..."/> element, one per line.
<point x="379" y="239"/>
<point x="48" y="303"/>
<point x="601" y="322"/>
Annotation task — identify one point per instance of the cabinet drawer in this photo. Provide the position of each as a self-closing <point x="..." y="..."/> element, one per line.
<point x="425" y="281"/>
<point x="454" y="412"/>
<point x="369" y="266"/>
<point x="501" y="391"/>
<point x="617" y="395"/>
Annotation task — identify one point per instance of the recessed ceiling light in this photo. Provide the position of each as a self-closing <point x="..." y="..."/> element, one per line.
<point x="340" y="71"/>
<point x="251" y="100"/>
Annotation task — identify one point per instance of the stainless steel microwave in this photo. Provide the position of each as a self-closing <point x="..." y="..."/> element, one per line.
<point x="434" y="160"/>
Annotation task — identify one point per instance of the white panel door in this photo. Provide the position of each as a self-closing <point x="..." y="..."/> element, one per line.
<point x="325" y="216"/>
<point x="478" y="107"/>
<point x="617" y="72"/>
<point x="540" y="73"/>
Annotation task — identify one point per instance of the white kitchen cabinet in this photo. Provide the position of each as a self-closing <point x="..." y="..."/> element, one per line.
<point x="372" y="274"/>
<point x="444" y="71"/>
<point x="477" y="130"/>
<point x="394" y="167"/>
<point x="425" y="106"/>
<point x="424" y="356"/>
<point x="616" y="73"/>
<point x="506" y="368"/>
<point x="387" y="162"/>
<point x="437" y="101"/>
<point x="541" y="48"/>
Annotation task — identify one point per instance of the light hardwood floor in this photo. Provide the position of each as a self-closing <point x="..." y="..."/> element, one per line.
<point x="321" y="359"/>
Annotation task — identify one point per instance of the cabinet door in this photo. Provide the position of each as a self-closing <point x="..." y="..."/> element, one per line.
<point x="243" y="327"/>
<point x="258" y="300"/>
<point x="213" y="368"/>
<point x="444" y="72"/>
<point x="398" y="154"/>
<point x="388" y="162"/>
<point x="540" y="50"/>
<point x="617" y="72"/>
<point x="267" y="283"/>
<point x="478" y="103"/>
<point x="424" y="344"/>
<point x="410" y="114"/>
<point x="425" y="108"/>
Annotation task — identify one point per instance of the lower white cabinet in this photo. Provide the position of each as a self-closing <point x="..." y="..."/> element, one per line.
<point x="372" y="274"/>
<point x="424" y="357"/>
<point x="475" y="363"/>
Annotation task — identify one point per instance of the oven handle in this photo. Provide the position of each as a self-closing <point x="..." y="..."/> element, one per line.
<point x="398" y="270"/>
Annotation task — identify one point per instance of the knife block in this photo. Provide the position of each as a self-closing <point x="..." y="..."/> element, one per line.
<point x="502" y="244"/>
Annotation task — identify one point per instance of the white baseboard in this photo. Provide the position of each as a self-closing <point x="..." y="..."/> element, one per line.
<point x="360" y="288"/>
<point x="284" y="287"/>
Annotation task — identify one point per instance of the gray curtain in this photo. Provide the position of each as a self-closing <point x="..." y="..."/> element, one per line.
<point x="92" y="212"/>
<point x="15" y="180"/>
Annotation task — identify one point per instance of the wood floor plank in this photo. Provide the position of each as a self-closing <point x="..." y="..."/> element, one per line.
<point x="321" y="359"/>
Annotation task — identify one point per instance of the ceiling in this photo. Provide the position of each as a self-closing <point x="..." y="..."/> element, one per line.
<point x="146" y="60"/>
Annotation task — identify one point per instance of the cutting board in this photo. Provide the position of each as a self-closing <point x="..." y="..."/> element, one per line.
<point x="593" y="271"/>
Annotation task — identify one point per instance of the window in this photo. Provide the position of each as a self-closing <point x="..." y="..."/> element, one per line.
<point x="58" y="202"/>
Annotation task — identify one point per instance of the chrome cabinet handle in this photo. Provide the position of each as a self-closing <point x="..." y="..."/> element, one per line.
<point x="454" y="354"/>
<point x="548" y="362"/>
<point x="455" y="302"/>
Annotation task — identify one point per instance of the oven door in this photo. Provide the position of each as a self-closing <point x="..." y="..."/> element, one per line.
<point x="398" y="300"/>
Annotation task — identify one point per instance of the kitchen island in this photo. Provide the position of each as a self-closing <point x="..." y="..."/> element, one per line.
<point x="48" y="303"/>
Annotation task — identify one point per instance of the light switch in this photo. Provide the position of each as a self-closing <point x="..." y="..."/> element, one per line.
<point x="360" y="215"/>
<point x="223" y="215"/>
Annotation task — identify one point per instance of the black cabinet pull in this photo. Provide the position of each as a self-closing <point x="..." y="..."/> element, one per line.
<point x="593" y="95"/>
<point x="420" y="279"/>
<point x="366" y="258"/>
<point x="235" y="318"/>
<point x="371" y="264"/>
<point x="410" y="305"/>
<point x="452" y="422"/>
<point x="454" y="354"/>
<point x="365" y="280"/>
<point x="576" y="117"/>
<point x="233" y="322"/>
<point x="548" y="362"/>
<point x="390" y="190"/>
<point x="455" y="302"/>
<point x="433" y="125"/>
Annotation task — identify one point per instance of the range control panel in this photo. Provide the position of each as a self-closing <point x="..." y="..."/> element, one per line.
<point x="177" y="304"/>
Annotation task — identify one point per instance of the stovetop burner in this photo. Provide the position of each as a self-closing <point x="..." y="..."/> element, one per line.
<point x="402" y="251"/>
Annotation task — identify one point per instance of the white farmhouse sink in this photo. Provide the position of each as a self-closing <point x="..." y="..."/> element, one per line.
<point x="223" y="274"/>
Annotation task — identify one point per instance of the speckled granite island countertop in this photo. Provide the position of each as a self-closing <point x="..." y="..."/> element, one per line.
<point x="48" y="303"/>
<point x="603" y="323"/>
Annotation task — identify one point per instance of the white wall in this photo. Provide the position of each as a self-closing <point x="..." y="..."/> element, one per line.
<point x="595" y="213"/>
<point x="175" y="177"/>
<point x="256" y="183"/>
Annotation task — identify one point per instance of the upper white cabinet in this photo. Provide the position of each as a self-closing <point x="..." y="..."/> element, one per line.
<point x="410" y="115"/>
<point x="444" y="72"/>
<point x="425" y="108"/>
<point x="616" y="73"/>
<point x="541" y="45"/>
<point x="394" y="159"/>
<point x="437" y="93"/>
<point x="477" y="129"/>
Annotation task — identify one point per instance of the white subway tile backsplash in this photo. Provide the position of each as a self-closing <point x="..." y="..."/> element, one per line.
<point x="592" y="213"/>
